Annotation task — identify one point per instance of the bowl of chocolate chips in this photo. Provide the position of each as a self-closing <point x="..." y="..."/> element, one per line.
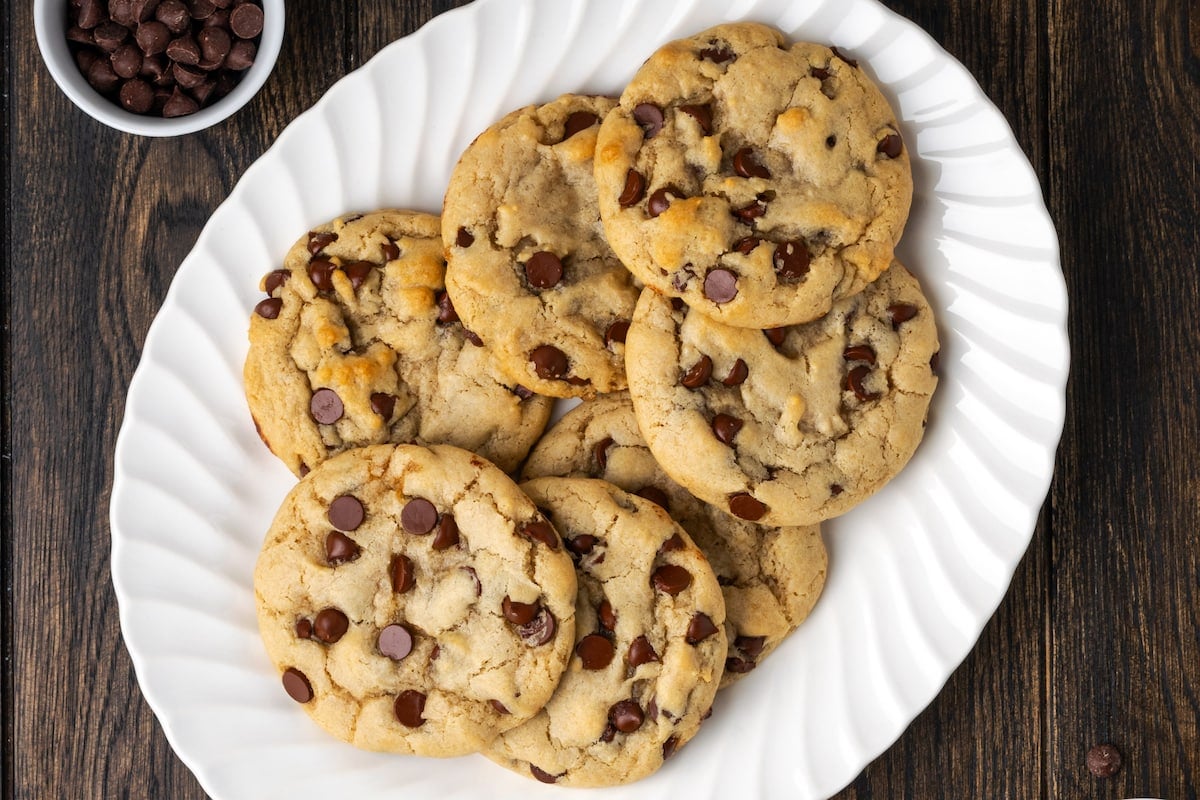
<point x="159" y="67"/>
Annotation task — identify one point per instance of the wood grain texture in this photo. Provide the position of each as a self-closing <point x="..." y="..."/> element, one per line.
<point x="1098" y="639"/>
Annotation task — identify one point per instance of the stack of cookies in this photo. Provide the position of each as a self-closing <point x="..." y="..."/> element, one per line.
<point x="708" y="264"/>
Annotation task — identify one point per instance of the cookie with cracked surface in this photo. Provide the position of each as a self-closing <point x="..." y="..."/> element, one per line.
<point x="650" y="642"/>
<point x="414" y="600"/>
<point x="821" y="415"/>
<point x="529" y="268"/>
<point x="357" y="343"/>
<point x="759" y="181"/>
<point x="771" y="577"/>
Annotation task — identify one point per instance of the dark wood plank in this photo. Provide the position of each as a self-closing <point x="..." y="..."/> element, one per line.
<point x="1125" y="658"/>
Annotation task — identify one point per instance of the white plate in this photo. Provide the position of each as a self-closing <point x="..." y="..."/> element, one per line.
<point x="914" y="573"/>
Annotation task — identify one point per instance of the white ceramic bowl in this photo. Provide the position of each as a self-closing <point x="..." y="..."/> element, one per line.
<point x="50" y="23"/>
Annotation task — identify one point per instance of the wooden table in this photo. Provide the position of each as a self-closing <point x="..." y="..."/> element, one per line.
<point x="1098" y="639"/>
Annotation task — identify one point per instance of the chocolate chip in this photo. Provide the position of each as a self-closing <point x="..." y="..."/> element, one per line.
<point x="616" y="332"/>
<point x="403" y="574"/>
<point x="296" y="684"/>
<point x="500" y="707"/>
<point x="746" y="164"/>
<point x="720" y="285"/>
<point x="626" y="716"/>
<point x="173" y="14"/>
<point x="890" y="145"/>
<point x="660" y="200"/>
<point x="447" y="533"/>
<point x="671" y="578"/>
<point x="304" y="628"/>
<point x="446" y="312"/>
<point x="539" y="630"/>
<point x="609" y="733"/>
<point x="608" y="617"/>
<point x="542" y="775"/>
<point x="109" y="36"/>
<point x="390" y="250"/>
<point x="543" y="270"/>
<point x="395" y="642"/>
<point x="202" y="9"/>
<point x="1104" y="760"/>
<point x="670" y="746"/>
<point x="859" y="352"/>
<point x="698" y="374"/>
<point x="409" y="707"/>
<point x="675" y="542"/>
<point x="383" y="404"/>
<point x="745" y="245"/>
<point x="717" y="54"/>
<point x="820" y="73"/>
<point x="854" y="382"/>
<point x="357" y="272"/>
<point x="330" y="625"/>
<point x="91" y="14"/>
<point x="641" y="652"/>
<point x="474" y="576"/>
<point x="521" y="392"/>
<point x="600" y="451"/>
<point x="541" y="532"/>
<point x="702" y="115"/>
<point x="340" y="548"/>
<point x="549" y="362"/>
<point x="326" y="407"/>
<point x="739" y="666"/>
<point x="595" y="651"/>
<point x="464" y="238"/>
<point x="184" y="50"/>
<point x="737" y="374"/>
<point x="634" y="190"/>
<point x="418" y="516"/>
<point x="835" y="489"/>
<point x="274" y="279"/>
<point x="654" y="495"/>
<point x="700" y="628"/>
<point x="649" y="117"/>
<point x="188" y="77"/>
<point x="751" y="646"/>
<point x="831" y="141"/>
<point x="791" y="260"/>
<point x="318" y="241"/>
<point x="472" y="337"/>
<point x="346" y="512"/>
<point x="101" y="77"/>
<point x="582" y="544"/>
<point x="578" y="121"/>
<point x="214" y="44"/>
<point x="518" y="613"/>
<point x="776" y="336"/>
<point x="320" y="271"/>
<point x="126" y="61"/>
<point x="269" y="308"/>
<point x="901" y="313"/>
<point x="725" y="427"/>
<point x="935" y="360"/>
<point x="746" y="506"/>
<point x="751" y="212"/>
<point x="246" y="20"/>
<point x="852" y="62"/>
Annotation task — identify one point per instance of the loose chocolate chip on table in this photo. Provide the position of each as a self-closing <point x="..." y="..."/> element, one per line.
<point x="791" y="260"/>
<point x="737" y="374"/>
<point x="246" y="20"/>
<point x="700" y="628"/>
<point x="541" y="532"/>
<point x="654" y="495"/>
<point x="269" y="308"/>
<point x="725" y="427"/>
<point x="746" y="164"/>
<point x="720" y="285"/>
<point x="616" y="332"/>
<point x="383" y="404"/>
<point x="539" y="630"/>
<point x="402" y="573"/>
<point x="634" y="190"/>
<point x="542" y="775"/>
<point x="901" y="313"/>
<point x="549" y="362"/>
<point x="626" y="716"/>
<point x="606" y="615"/>
<point x="859" y="352"/>
<point x="418" y="516"/>
<point x="698" y="374"/>
<point x="346" y="512"/>
<point x="671" y="578"/>
<point x="600" y="451"/>
<point x="641" y="652"/>
<point x="594" y="651"/>
<point x="649" y="117"/>
<point x="543" y="270"/>
<point x="746" y="506"/>
<point x="340" y="548"/>
<point x="395" y="642"/>
<point x="578" y="121"/>
<point x="357" y="272"/>
<point x="464" y="238"/>
<point x="319" y="241"/>
<point x="330" y="625"/>
<point x="304" y="628"/>
<point x="296" y="685"/>
<point x="326" y="407"/>
<point x="751" y="646"/>
<point x="447" y="533"/>
<point x="702" y="115"/>
<point x="1104" y="760"/>
<point x="518" y="613"/>
<point x="890" y="145"/>
<point x="409" y="707"/>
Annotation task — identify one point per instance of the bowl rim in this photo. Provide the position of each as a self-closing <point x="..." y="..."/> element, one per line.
<point x="49" y="22"/>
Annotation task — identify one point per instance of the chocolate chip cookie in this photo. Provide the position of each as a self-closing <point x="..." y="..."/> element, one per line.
<point x="650" y="642"/>
<point x="529" y="269"/>
<point x="759" y="181"/>
<point x="358" y="343"/>
<point x="771" y="577"/>
<point x="414" y="600"/>
<point x="787" y="426"/>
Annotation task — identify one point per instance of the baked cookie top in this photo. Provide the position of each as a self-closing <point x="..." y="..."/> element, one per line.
<point x="529" y="269"/>
<point x="415" y="600"/>
<point x="788" y="426"/>
<point x="759" y="181"/>
<point x="357" y="343"/>
<point x="650" y="642"/>
<point x="771" y="577"/>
